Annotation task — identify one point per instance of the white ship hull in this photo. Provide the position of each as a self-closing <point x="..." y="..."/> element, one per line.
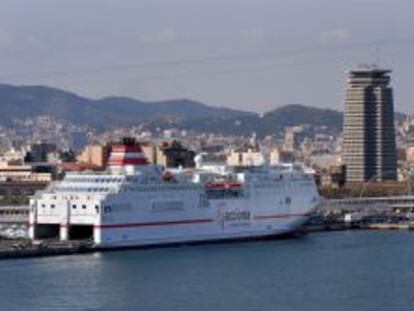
<point x="179" y="217"/>
<point x="141" y="207"/>
<point x="198" y="227"/>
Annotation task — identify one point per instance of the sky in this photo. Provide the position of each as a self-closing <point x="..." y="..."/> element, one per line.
<point x="253" y="55"/>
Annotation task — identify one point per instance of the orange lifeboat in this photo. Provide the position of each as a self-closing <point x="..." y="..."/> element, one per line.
<point x="167" y="176"/>
<point x="229" y="184"/>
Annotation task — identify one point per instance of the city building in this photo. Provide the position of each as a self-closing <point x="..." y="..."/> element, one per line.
<point x="175" y="155"/>
<point x="39" y="152"/>
<point x="325" y="160"/>
<point x="24" y="173"/>
<point x="13" y="156"/>
<point x="281" y="157"/>
<point x="249" y="154"/>
<point x="245" y="158"/>
<point x="334" y="177"/>
<point x="410" y="156"/>
<point x="169" y="154"/>
<point x="369" y="137"/>
<point x="291" y="140"/>
<point x="94" y="156"/>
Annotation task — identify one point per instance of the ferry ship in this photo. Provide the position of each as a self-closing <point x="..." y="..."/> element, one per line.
<point x="134" y="203"/>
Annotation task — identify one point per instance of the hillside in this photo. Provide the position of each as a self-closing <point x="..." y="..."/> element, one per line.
<point x="18" y="102"/>
<point x="314" y="119"/>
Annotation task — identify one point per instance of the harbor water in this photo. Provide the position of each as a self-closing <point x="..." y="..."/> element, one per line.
<point x="348" y="270"/>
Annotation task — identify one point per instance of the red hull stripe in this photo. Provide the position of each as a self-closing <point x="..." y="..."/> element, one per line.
<point x="156" y="223"/>
<point x="279" y="216"/>
<point x="182" y="222"/>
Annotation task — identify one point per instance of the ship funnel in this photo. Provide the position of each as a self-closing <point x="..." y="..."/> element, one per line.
<point x="126" y="156"/>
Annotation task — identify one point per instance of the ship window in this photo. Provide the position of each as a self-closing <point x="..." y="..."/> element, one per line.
<point x="74" y="206"/>
<point x="97" y="209"/>
<point x="52" y="206"/>
<point x="43" y="205"/>
<point x="84" y="206"/>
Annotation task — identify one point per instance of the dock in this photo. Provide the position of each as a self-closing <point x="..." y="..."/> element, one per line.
<point x="11" y="249"/>
<point x="392" y="226"/>
<point x="14" y="214"/>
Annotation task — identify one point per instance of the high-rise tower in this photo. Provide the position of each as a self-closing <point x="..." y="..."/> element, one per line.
<point x="369" y="137"/>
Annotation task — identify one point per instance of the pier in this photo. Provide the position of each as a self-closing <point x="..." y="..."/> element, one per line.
<point x="392" y="203"/>
<point x="374" y="213"/>
<point x="10" y="249"/>
<point x="14" y="214"/>
<point x="378" y="213"/>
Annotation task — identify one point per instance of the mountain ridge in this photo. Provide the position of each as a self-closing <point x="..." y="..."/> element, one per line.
<point x="20" y="102"/>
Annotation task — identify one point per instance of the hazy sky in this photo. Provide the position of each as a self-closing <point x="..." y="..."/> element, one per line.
<point x="247" y="54"/>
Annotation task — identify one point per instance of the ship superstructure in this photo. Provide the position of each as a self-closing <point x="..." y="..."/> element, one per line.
<point x="135" y="203"/>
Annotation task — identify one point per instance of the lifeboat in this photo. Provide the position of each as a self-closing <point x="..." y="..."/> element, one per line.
<point x="229" y="184"/>
<point x="168" y="176"/>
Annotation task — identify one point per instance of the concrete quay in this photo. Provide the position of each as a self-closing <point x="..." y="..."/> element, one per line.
<point x="12" y="249"/>
<point x="24" y="248"/>
<point x="14" y="214"/>
<point x="359" y="226"/>
<point x="390" y="226"/>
